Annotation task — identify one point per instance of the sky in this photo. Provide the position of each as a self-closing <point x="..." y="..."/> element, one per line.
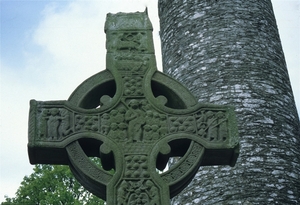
<point x="49" y="47"/>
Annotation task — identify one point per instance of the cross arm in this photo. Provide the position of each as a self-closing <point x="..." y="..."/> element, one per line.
<point x="201" y="135"/>
<point x="212" y="126"/>
<point x="53" y="125"/>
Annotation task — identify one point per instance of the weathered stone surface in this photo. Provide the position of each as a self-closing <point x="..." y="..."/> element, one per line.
<point x="134" y="119"/>
<point x="229" y="52"/>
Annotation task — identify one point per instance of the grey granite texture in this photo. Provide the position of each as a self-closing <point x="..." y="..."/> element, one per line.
<point x="229" y="52"/>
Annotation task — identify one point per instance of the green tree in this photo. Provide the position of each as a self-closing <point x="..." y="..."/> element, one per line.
<point x="52" y="185"/>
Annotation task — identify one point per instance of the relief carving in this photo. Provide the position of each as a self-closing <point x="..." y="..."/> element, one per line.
<point x="137" y="120"/>
<point x="105" y="124"/>
<point x="86" y="122"/>
<point x="182" y="124"/>
<point x="133" y="86"/>
<point x="212" y="125"/>
<point x="134" y="116"/>
<point x="125" y="41"/>
<point x="136" y="166"/>
<point x="65" y="124"/>
<point x="55" y="123"/>
<point x="139" y="192"/>
<point x="131" y="64"/>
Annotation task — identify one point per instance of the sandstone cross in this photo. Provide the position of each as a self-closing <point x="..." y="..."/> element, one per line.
<point x="134" y="119"/>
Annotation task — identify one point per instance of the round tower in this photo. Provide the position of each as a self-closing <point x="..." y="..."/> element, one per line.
<point x="229" y="52"/>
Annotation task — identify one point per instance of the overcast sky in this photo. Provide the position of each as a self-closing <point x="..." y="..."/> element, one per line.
<point x="49" y="47"/>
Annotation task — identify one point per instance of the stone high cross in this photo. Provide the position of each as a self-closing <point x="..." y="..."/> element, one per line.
<point x="134" y="119"/>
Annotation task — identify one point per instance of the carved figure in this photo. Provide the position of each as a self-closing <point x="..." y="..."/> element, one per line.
<point x="135" y="118"/>
<point x="122" y="193"/>
<point x="65" y="126"/>
<point x="222" y="132"/>
<point x="153" y="193"/>
<point x="53" y="123"/>
<point x="105" y="124"/>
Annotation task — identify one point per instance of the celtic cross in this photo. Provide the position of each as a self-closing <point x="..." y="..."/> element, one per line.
<point x="134" y="119"/>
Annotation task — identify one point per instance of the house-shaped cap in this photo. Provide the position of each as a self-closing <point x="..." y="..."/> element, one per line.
<point x="128" y="21"/>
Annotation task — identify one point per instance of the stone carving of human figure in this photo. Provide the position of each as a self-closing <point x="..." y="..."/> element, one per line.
<point x="121" y="113"/>
<point x="123" y="131"/>
<point x="122" y="193"/>
<point x="65" y="127"/>
<point x="202" y="130"/>
<point x="135" y="118"/>
<point x="212" y="123"/>
<point x="94" y="123"/>
<point x="113" y="116"/>
<point x="147" y="133"/>
<point x="153" y="193"/>
<point x="43" y="129"/>
<point x="53" y="123"/>
<point x="145" y="105"/>
<point x="155" y="134"/>
<point x="163" y="125"/>
<point x="114" y="132"/>
<point x="149" y="117"/>
<point x="105" y="123"/>
<point x="222" y="132"/>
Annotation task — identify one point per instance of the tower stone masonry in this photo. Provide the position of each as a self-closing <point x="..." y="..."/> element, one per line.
<point x="229" y="52"/>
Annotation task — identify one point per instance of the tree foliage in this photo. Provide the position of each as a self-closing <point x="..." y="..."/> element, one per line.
<point x="52" y="185"/>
